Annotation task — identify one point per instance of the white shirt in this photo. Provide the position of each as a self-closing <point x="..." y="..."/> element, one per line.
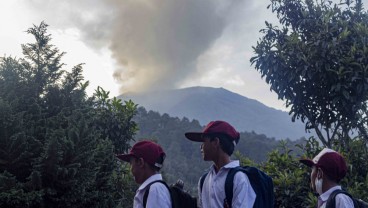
<point x="158" y="197"/>
<point x="342" y="200"/>
<point x="213" y="190"/>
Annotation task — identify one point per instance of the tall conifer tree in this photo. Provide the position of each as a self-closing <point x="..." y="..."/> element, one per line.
<point x="56" y="148"/>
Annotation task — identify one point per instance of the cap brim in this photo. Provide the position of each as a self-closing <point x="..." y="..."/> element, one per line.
<point x="194" y="136"/>
<point x="125" y="157"/>
<point x="307" y="162"/>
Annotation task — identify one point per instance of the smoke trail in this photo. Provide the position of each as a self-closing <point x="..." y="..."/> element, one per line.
<point x="156" y="43"/>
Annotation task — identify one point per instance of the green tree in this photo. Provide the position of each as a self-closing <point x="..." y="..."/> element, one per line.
<point x="315" y="60"/>
<point x="57" y="148"/>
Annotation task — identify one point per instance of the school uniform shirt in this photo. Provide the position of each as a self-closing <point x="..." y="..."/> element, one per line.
<point x="213" y="190"/>
<point x="342" y="200"/>
<point x="158" y="197"/>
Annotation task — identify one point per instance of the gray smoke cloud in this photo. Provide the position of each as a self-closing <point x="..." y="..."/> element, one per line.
<point x="156" y="43"/>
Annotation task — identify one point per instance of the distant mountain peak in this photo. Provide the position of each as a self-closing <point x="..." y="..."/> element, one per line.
<point x="207" y="103"/>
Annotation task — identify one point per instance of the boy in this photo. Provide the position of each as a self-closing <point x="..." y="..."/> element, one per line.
<point x="219" y="139"/>
<point x="146" y="159"/>
<point x="327" y="170"/>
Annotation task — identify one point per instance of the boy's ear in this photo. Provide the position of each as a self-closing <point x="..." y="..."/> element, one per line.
<point x="217" y="141"/>
<point x="319" y="173"/>
<point x="140" y="162"/>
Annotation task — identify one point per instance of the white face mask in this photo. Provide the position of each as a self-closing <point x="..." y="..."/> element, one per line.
<point x="318" y="185"/>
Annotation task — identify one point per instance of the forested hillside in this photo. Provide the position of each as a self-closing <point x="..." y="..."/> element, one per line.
<point x="184" y="159"/>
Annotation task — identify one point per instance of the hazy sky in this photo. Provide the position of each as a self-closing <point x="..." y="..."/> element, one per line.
<point x="136" y="45"/>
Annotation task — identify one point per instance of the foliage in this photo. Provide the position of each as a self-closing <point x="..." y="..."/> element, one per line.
<point x="57" y="148"/>
<point x="317" y="63"/>
<point x="126" y="186"/>
<point x="114" y="119"/>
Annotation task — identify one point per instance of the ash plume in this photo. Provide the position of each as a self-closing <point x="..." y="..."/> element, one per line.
<point x="156" y="43"/>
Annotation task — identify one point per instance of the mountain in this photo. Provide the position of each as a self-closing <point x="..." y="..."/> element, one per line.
<point x="206" y="104"/>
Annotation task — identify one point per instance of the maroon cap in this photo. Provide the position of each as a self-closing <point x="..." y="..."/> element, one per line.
<point x="215" y="127"/>
<point x="331" y="162"/>
<point x="148" y="150"/>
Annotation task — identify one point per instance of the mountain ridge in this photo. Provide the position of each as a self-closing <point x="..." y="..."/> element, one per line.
<point x="207" y="103"/>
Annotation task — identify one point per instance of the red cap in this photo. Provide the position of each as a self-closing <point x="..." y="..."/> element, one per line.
<point x="215" y="127"/>
<point x="331" y="162"/>
<point x="148" y="150"/>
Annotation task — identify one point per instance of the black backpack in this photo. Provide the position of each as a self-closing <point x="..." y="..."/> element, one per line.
<point x="331" y="202"/>
<point x="179" y="197"/>
<point x="261" y="183"/>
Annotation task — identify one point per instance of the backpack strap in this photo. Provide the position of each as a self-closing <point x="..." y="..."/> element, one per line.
<point x="331" y="202"/>
<point x="201" y="181"/>
<point x="145" y="196"/>
<point x="229" y="185"/>
<point x="261" y="183"/>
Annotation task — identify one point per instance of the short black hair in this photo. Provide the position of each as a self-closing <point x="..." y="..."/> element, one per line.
<point x="160" y="160"/>
<point x="226" y="143"/>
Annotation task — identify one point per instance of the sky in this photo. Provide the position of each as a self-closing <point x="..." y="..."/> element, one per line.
<point x="141" y="45"/>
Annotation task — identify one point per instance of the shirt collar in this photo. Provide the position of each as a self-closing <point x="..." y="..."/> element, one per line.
<point x="231" y="164"/>
<point x="152" y="178"/>
<point x="327" y="194"/>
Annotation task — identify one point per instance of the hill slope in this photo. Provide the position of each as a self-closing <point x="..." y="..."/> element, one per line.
<point x="205" y="104"/>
